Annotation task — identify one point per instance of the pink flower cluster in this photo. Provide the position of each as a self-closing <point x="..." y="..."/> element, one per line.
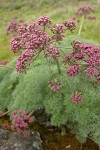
<point x="70" y="24"/>
<point x="90" y="71"/>
<point x="76" y="97"/>
<point x="84" y="55"/>
<point x="20" y="122"/>
<point x="3" y="62"/>
<point x="67" y="58"/>
<point x="73" y="70"/>
<point x="55" y="85"/>
<point x="5" y="126"/>
<point x="38" y="40"/>
<point x="84" y="10"/>
<point x="91" y="17"/>
<point x="59" y="28"/>
<point x="30" y="39"/>
<point x="24" y="60"/>
<point x="15" y="44"/>
<point x="77" y="45"/>
<point x="58" y="31"/>
<point x="53" y="52"/>
<point x="44" y="20"/>
<point x="22" y="31"/>
<point x="12" y="26"/>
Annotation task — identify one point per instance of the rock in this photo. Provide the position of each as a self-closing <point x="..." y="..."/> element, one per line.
<point x="14" y="141"/>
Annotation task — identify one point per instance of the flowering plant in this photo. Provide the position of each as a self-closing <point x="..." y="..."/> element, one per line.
<point x="73" y="98"/>
<point x="85" y="10"/>
<point x="20" y="122"/>
<point x="32" y="39"/>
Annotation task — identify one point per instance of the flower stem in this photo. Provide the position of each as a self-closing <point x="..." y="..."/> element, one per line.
<point x="83" y="88"/>
<point x="64" y="47"/>
<point x="58" y="66"/>
<point x="6" y="66"/>
<point x="49" y="65"/>
<point x="31" y="113"/>
<point x="5" y="113"/>
<point x="81" y="25"/>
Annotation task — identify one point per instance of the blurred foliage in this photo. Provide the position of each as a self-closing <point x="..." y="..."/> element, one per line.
<point x="30" y="92"/>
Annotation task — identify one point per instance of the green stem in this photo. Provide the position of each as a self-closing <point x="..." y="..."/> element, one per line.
<point x="31" y="113"/>
<point x="64" y="47"/>
<point x="80" y="29"/>
<point x="44" y="28"/>
<point x="83" y="88"/>
<point x="6" y="66"/>
<point x="58" y="66"/>
<point x="49" y="65"/>
<point x="5" y="113"/>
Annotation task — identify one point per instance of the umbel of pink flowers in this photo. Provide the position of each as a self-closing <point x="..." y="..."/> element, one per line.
<point x="83" y="55"/>
<point x="20" y="122"/>
<point x="86" y="11"/>
<point x="32" y="39"/>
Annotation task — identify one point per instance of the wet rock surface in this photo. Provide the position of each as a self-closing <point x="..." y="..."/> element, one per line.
<point x="14" y="141"/>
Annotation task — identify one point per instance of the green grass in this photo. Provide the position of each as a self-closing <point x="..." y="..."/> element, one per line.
<point x="57" y="10"/>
